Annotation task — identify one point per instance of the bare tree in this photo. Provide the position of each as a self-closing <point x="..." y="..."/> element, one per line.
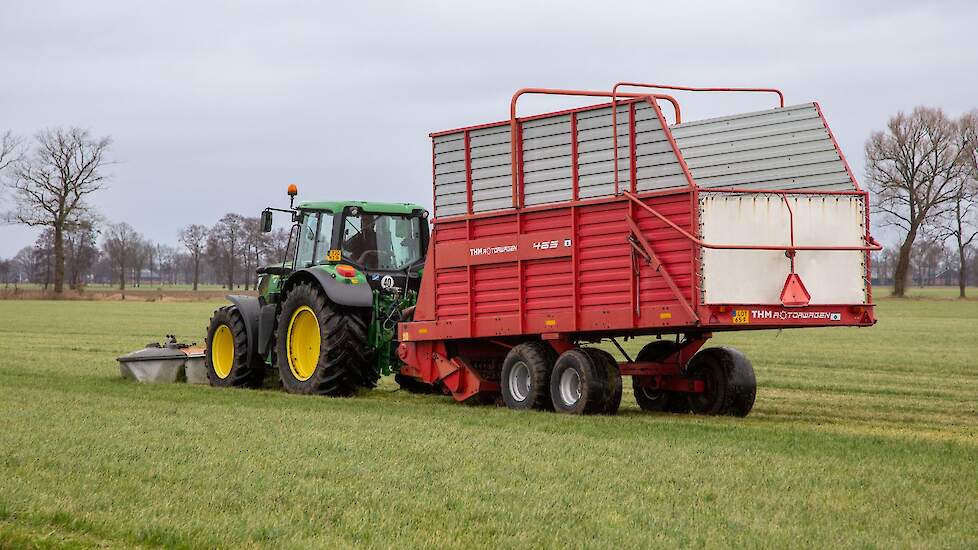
<point x="81" y="253"/>
<point x="957" y="222"/>
<point x="50" y="185"/>
<point x="194" y="238"/>
<point x="254" y="245"/>
<point x="120" y="244"/>
<point x="225" y="243"/>
<point x="6" y="271"/>
<point x="912" y="168"/>
<point x="10" y="149"/>
<point x="276" y="246"/>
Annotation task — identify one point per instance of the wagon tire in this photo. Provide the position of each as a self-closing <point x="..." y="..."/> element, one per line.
<point x="525" y="379"/>
<point x="227" y="360"/>
<point x="729" y="379"/>
<point x="613" y="377"/>
<point x="321" y="348"/>
<point x="579" y="384"/>
<point x="658" y="400"/>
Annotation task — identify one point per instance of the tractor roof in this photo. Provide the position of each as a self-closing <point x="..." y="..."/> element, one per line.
<point x="367" y="206"/>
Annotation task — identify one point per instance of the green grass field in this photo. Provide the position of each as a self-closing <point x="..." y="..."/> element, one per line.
<point x="860" y="437"/>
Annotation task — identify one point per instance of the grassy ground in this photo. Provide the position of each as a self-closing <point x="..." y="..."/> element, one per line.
<point x="860" y="437"/>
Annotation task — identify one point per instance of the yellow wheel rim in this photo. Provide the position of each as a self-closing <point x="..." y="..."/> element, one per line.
<point x="302" y="343"/>
<point x="222" y="351"/>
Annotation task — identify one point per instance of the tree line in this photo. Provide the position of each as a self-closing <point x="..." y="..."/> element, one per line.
<point x="226" y="253"/>
<point x="49" y="180"/>
<point x="922" y="171"/>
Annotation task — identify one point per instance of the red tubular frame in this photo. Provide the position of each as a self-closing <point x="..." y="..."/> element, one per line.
<point x="614" y="110"/>
<point x="514" y="128"/>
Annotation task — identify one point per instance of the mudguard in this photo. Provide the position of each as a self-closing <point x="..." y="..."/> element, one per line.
<point x="339" y="293"/>
<point x="248" y="307"/>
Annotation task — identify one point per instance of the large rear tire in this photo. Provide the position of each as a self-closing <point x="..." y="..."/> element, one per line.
<point x="579" y="384"/>
<point x="729" y="379"/>
<point x="602" y="357"/>
<point x="525" y="380"/>
<point x="652" y="399"/>
<point x="321" y="347"/>
<point x="226" y="360"/>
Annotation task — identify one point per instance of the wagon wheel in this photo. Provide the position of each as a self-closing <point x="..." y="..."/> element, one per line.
<point x="604" y="358"/>
<point x="658" y="400"/>
<point x="525" y="379"/>
<point x="728" y="377"/>
<point x="579" y="384"/>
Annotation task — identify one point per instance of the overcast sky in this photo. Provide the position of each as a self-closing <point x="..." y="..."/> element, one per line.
<point x="217" y="106"/>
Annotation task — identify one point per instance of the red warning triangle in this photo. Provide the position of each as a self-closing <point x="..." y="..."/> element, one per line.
<point x="794" y="293"/>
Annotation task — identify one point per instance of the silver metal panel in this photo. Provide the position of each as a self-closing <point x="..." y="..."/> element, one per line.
<point x="448" y="167"/>
<point x="487" y="205"/>
<point x="444" y="179"/>
<point x="530" y="132"/>
<point x="490" y="150"/>
<point x="491" y="172"/>
<point x="493" y="183"/>
<point x="452" y="210"/>
<point x="450" y="189"/>
<point x="658" y="183"/>
<point x="556" y="151"/>
<point x="604" y="167"/>
<point x="767" y="117"/>
<point x="546" y="142"/>
<point x="530" y="167"/>
<point x="559" y="195"/>
<point x="560" y="173"/>
<point x="490" y="130"/>
<point x="449" y="156"/>
<point x="817" y="135"/>
<point x="782" y="148"/>
<point x="775" y="176"/>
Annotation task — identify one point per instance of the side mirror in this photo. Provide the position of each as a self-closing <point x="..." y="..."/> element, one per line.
<point x="266" y="221"/>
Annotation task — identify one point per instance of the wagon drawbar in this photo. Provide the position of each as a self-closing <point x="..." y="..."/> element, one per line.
<point x="605" y="222"/>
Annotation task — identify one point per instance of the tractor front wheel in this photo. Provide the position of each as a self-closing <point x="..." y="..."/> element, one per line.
<point x="226" y="360"/>
<point x="321" y="348"/>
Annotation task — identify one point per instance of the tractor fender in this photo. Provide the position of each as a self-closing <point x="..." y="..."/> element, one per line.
<point x="342" y="294"/>
<point x="248" y="307"/>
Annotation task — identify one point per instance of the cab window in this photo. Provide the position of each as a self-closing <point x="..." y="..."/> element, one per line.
<point x="382" y="241"/>
<point x="325" y="238"/>
<point x="315" y="235"/>
<point x="308" y="228"/>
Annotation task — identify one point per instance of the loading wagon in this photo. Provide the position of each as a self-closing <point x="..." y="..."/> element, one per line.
<point x="556" y="231"/>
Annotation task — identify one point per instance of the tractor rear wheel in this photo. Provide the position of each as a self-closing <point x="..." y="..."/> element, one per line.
<point x="579" y="384"/>
<point x="658" y="400"/>
<point x="729" y="379"/>
<point x="602" y="357"/>
<point x="525" y="380"/>
<point x="226" y="360"/>
<point x="321" y="347"/>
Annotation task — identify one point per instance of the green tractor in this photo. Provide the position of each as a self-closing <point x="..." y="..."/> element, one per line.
<point x="326" y="316"/>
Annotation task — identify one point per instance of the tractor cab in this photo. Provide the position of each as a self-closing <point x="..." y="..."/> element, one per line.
<point x="385" y="242"/>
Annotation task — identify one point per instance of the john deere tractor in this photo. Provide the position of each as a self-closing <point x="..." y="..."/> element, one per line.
<point x="325" y="317"/>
